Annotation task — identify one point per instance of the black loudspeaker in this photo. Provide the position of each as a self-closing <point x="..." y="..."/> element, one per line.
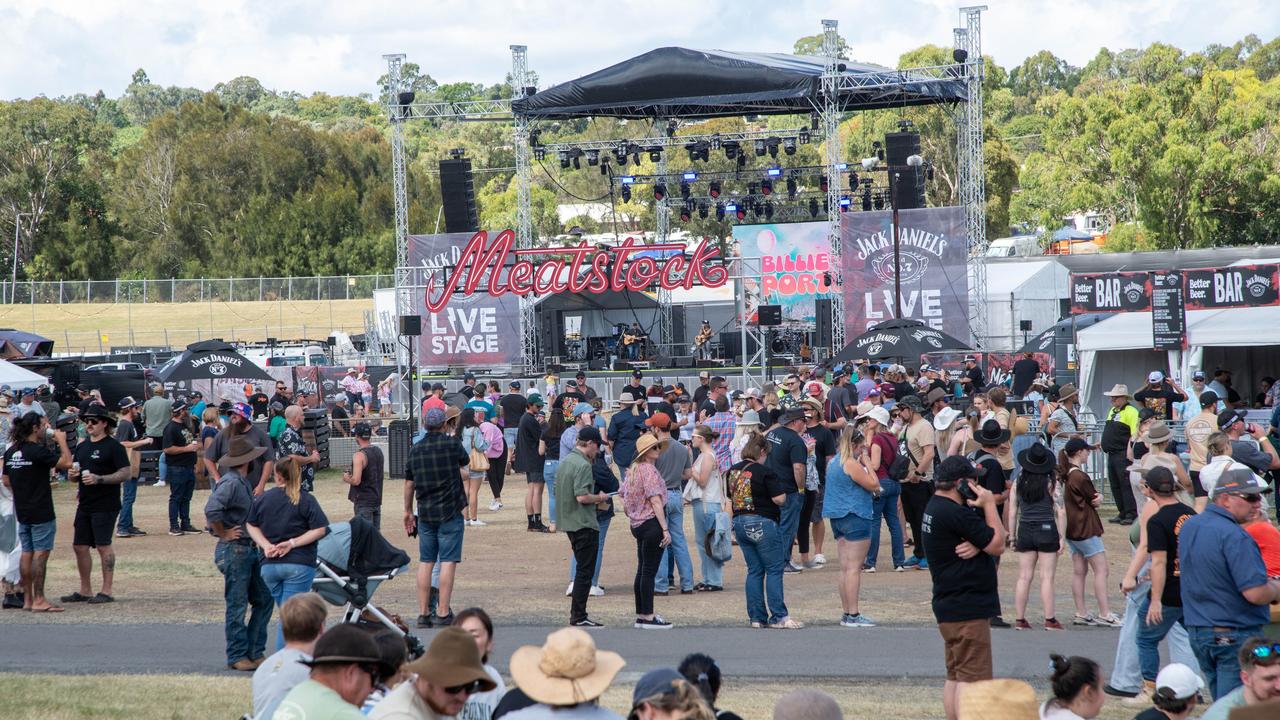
<point x="457" y="193"/>
<point x="731" y="341"/>
<point x="1024" y="326"/>
<point x="410" y="325"/>
<point x="678" y="326"/>
<point x="909" y="188"/>
<point x="598" y="364"/>
<point x="682" y="361"/>
<point x="399" y="442"/>
<point x="769" y="315"/>
<point x="822" y="323"/>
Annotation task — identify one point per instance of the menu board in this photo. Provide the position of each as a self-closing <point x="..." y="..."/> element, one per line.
<point x="1168" y="312"/>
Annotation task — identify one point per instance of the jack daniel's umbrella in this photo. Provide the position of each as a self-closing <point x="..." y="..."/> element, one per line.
<point x="211" y="360"/>
<point x="900" y="339"/>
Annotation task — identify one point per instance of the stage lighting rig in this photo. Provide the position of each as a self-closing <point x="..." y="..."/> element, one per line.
<point x="671" y="128"/>
<point x="789" y="146"/>
<point x="660" y="191"/>
<point x="761" y="147"/>
<point x="620" y="154"/>
<point x="684" y="189"/>
<point x="720" y="211"/>
<point x="879" y="150"/>
<point x="686" y="212"/>
<point x="866" y="199"/>
<point x="626" y="193"/>
<point x="700" y="150"/>
<point x="752" y="189"/>
<point x="564" y="159"/>
<point x="731" y="149"/>
<point x="791" y="186"/>
<point x="766" y="187"/>
<point x="879" y="201"/>
<point x="714" y="189"/>
<point x="593" y="157"/>
<point x="768" y="211"/>
<point x="702" y="210"/>
<point x="772" y="144"/>
<point x="824" y="184"/>
<point x="655" y="153"/>
<point x="813" y="207"/>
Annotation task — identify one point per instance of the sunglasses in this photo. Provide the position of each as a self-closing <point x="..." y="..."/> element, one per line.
<point x="1267" y="652"/>
<point x="470" y="688"/>
<point x="94" y="421"/>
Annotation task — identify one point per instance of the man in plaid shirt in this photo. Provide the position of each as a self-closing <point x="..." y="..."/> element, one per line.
<point x="724" y="423"/>
<point x="433" y="474"/>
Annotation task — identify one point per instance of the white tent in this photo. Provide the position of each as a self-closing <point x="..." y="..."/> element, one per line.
<point x="19" y="377"/>
<point x="1022" y="289"/>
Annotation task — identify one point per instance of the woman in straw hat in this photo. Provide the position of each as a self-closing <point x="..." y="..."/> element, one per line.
<point x="644" y="497"/>
<point x="566" y="672"/>
<point x="1157" y="438"/>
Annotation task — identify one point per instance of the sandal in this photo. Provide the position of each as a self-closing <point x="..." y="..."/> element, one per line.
<point x="75" y="597"/>
<point x="50" y="609"/>
<point x="101" y="599"/>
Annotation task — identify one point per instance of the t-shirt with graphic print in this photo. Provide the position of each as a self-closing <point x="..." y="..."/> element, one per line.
<point x="752" y="488"/>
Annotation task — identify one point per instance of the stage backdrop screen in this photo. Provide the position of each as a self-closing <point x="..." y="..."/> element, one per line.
<point x="475" y="329"/>
<point x="934" y="274"/>
<point x="795" y="267"/>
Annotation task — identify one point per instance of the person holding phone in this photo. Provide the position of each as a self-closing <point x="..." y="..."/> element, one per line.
<point x="1250" y="444"/>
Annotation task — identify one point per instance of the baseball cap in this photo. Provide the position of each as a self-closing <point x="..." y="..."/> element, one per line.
<point x="704" y="375"/>
<point x="637" y="374"/>
<point x="1155" y="376"/>
<point x="1227" y="418"/>
<point x="590" y="434"/>
<point x="658" y="420"/>
<point x="243" y="410"/>
<point x="468" y="376"/>
<point x="362" y="430"/>
<point x="815" y="389"/>
<point x="514" y="384"/>
<point x="1197" y="375"/>
<point x="581" y="408"/>
<point x="178" y="406"/>
<point x="344" y="644"/>
<point x="970" y="358"/>
<point x="1208" y="398"/>
<point x="668" y="389"/>
<point x="1240" y="481"/>
<point x="1159" y="479"/>
<point x="433" y="417"/>
<point x="754" y="393"/>
<point x="1178" y="682"/>
<point x="956" y="467"/>
<point x="581" y="375"/>
<point x="126" y="402"/>
<point x="535" y="399"/>
<point x="655" y="683"/>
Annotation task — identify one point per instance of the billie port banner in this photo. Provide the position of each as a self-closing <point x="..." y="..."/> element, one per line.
<point x="795" y="267"/>
<point x="471" y="329"/>
<point x="1111" y="292"/>
<point x="933" y="269"/>
<point x="1232" y="287"/>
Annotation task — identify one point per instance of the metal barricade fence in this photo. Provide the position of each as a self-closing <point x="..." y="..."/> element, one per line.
<point x="1096" y="466"/>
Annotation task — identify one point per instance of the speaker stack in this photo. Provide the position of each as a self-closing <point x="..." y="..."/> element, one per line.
<point x="909" y="191"/>
<point x="822" y="323"/>
<point x="457" y="191"/>
<point x="315" y="432"/>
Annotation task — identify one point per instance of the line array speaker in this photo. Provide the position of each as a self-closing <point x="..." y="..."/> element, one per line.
<point x="822" y="323"/>
<point x="457" y="192"/>
<point x="909" y="191"/>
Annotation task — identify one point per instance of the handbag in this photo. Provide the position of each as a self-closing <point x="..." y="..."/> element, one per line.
<point x="478" y="461"/>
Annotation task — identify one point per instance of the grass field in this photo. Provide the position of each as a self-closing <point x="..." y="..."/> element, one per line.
<point x="76" y="327"/>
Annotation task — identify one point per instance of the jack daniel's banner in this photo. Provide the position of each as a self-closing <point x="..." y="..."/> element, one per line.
<point x="933" y="253"/>
<point x="1232" y="287"/>
<point x="1111" y="292"/>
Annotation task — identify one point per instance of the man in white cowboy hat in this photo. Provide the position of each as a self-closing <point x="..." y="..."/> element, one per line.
<point x="238" y="559"/>
<point x="1120" y="427"/>
<point x="442" y="680"/>
<point x="566" y="677"/>
<point x="625" y="428"/>
<point x="103" y="466"/>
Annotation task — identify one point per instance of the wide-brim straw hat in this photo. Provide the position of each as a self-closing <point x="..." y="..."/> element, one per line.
<point x="648" y="442"/>
<point x="1157" y="432"/>
<point x="1066" y="392"/>
<point x="997" y="700"/>
<point x="626" y="398"/>
<point x="1120" y="390"/>
<point x="566" y="670"/>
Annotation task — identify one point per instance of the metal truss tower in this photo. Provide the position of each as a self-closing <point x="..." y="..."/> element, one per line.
<point x="969" y="140"/>
<point x="662" y="214"/>
<point x="395" y="118"/>
<point x="835" y="179"/>
<point x="524" y="188"/>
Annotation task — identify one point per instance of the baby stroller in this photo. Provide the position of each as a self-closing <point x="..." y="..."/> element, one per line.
<point x="352" y="561"/>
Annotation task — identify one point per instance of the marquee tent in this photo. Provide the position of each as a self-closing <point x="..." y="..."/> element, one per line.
<point x="19" y="377"/>
<point x="1022" y="289"/>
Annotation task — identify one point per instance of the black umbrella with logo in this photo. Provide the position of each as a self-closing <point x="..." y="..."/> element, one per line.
<point x="899" y="339"/>
<point x="211" y="360"/>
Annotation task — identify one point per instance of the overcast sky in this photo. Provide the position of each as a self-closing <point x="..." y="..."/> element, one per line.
<point x="58" y="47"/>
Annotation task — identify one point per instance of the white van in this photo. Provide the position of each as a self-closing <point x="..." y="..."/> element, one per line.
<point x="1016" y="246"/>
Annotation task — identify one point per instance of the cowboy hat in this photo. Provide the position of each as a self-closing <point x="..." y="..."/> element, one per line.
<point x="1157" y="432"/>
<point x="452" y="660"/>
<point x="1066" y="392"/>
<point x="566" y="670"/>
<point x="1120" y="390"/>
<point x="997" y="700"/>
<point x="749" y="418"/>
<point x="241" y="452"/>
<point x="945" y="418"/>
<point x="98" y="410"/>
<point x="346" y="644"/>
<point x="935" y="395"/>
<point x="626" y="398"/>
<point x="991" y="434"/>
<point x="1037" y="459"/>
<point x="647" y="443"/>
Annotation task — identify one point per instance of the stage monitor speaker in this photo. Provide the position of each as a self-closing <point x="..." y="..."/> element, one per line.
<point x="822" y="323"/>
<point x="909" y="190"/>
<point x="410" y="325"/>
<point x="682" y="361"/>
<point x="598" y="364"/>
<point x="769" y="315"/>
<point x="458" y="195"/>
<point x="678" y="325"/>
<point x="731" y="342"/>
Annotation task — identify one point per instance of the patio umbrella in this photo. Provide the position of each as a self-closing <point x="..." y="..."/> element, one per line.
<point x="899" y="339"/>
<point x="211" y="360"/>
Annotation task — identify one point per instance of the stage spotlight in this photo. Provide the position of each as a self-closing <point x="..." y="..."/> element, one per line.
<point x="620" y="154"/>
<point x="879" y="201"/>
<point x="686" y="213"/>
<point x="879" y="150"/>
<point x="534" y="138"/>
<point x="742" y="160"/>
<point x="684" y="190"/>
<point x="671" y="128"/>
<point x="791" y="187"/>
<point x="731" y="148"/>
<point x="768" y="211"/>
<point x="564" y="159"/>
<point x="804" y="137"/>
<point x="702" y="210"/>
<point x="813" y="121"/>
<point x="752" y="189"/>
<point x="866" y="199"/>
<point x="757" y="208"/>
<point x="626" y="193"/>
<point x="577" y="165"/>
<point x="813" y="207"/>
<point x="772" y="144"/>
<point x="928" y="172"/>
<point x="655" y="154"/>
<point x="539" y="153"/>
<point x="604" y="167"/>
<point x="719" y="211"/>
<point x="853" y="181"/>
<point x="660" y="191"/>
<point x="766" y="187"/>
<point x="760" y="148"/>
<point x="593" y="157"/>
<point x="824" y="184"/>
<point x="789" y="146"/>
<point x="714" y="190"/>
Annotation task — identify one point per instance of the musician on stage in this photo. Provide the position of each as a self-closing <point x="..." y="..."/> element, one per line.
<point x="702" y="343"/>
<point x="631" y="340"/>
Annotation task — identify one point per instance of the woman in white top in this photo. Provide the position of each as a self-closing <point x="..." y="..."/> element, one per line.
<point x="745" y="426"/>
<point x="951" y="431"/>
<point x="685" y="418"/>
<point x="706" y="490"/>
<point x="480" y="706"/>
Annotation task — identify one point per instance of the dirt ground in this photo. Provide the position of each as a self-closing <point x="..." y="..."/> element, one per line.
<point x="520" y="577"/>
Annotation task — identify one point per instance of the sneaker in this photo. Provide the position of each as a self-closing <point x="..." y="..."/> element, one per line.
<point x="588" y="623"/>
<point x="495" y="506"/>
<point x="757" y="625"/>
<point x="243" y="665"/>
<point x="159" y="483"/>
<point x="1052" y="624"/>
<point x="478" y="523"/>
<point x="188" y="530"/>
<point x="819" y="559"/>
<point x="899" y="568"/>
<point x="1110" y="620"/>
<point x="123" y="534"/>
<point x="657" y="623"/>
<point x="596" y="591"/>
<point x="795" y="565"/>
<point x="1021" y="624"/>
<point x="998" y="622"/>
<point x="569" y="590"/>
<point x="1079" y="619"/>
<point x="869" y="569"/>
<point x="442" y="621"/>
<point x="1143" y="698"/>
<point x="786" y="624"/>
<point x="912" y="562"/>
<point x="176" y="532"/>
<point x="137" y="532"/>
<point x="856" y="620"/>
<point x="923" y="564"/>
<point x="424" y="621"/>
<point x="791" y="569"/>
<point x="1116" y="692"/>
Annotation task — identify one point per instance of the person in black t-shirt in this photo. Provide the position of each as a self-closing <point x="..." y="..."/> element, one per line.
<point x="1160" y="395"/>
<point x="365" y="476"/>
<point x="1163" y="606"/>
<point x="756" y="495"/>
<point x="824" y="448"/>
<point x="130" y="437"/>
<point x="526" y="457"/>
<point x="28" y="463"/>
<point x="180" y="449"/>
<point x="260" y="402"/>
<point x="1024" y="373"/>
<point x="788" y="456"/>
<point x="962" y="546"/>
<point x="971" y="377"/>
<point x="990" y="438"/>
<point x="101" y="466"/>
<point x="341" y="419"/>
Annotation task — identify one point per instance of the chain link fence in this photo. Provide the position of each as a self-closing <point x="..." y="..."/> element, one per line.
<point x="334" y="287"/>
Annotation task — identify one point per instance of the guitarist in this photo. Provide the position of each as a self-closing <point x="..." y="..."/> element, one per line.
<point x="631" y="338"/>
<point x="702" y="343"/>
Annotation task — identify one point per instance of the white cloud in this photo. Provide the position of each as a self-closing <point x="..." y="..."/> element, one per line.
<point x="57" y="47"/>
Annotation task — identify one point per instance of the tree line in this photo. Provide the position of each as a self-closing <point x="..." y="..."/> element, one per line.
<point x="1176" y="149"/>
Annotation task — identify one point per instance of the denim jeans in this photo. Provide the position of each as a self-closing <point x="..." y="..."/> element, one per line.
<point x="182" y="482"/>
<point x="761" y="546"/>
<point x="1126" y="673"/>
<point x="371" y="513"/>
<point x="605" y="521"/>
<point x="129" y="494"/>
<point x="704" y="521"/>
<point x="1217" y="654"/>
<point x="242" y="589"/>
<point x="886" y="506"/>
<point x="549" y="474"/>
<point x="790" y="524"/>
<point x="1149" y="637"/>
<point x="284" y="580"/>
<point x="679" y="546"/>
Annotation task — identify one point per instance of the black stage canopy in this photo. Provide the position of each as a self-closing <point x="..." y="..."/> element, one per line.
<point x="680" y="82"/>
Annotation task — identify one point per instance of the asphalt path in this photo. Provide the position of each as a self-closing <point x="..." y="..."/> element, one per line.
<point x="827" y="651"/>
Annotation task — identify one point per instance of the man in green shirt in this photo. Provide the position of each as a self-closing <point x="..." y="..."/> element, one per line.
<point x="156" y="414"/>
<point x="576" y="502"/>
<point x="343" y="670"/>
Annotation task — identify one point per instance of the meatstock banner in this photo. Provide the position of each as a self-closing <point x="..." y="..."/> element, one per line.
<point x="471" y="329"/>
<point x="795" y="267"/>
<point x="1111" y="292"/>
<point x="933" y="252"/>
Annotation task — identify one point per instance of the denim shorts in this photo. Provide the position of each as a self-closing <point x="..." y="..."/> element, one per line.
<point x="851" y="528"/>
<point x="1088" y="547"/>
<point x="440" y="542"/>
<point x="37" y="538"/>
